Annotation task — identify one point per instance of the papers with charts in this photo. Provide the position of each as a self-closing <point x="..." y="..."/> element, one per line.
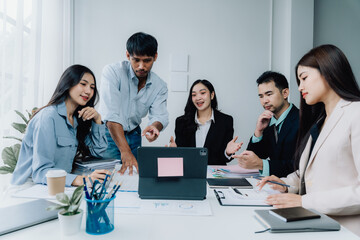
<point x="130" y="203"/>
<point x="244" y="197"/>
<point x="241" y="197"/>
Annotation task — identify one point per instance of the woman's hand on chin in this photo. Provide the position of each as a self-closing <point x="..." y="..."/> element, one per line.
<point x="88" y="113"/>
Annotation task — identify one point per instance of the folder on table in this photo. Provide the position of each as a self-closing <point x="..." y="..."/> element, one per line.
<point x="276" y="225"/>
<point x="241" y="197"/>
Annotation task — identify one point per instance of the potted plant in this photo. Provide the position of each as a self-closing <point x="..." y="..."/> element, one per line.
<point x="70" y="215"/>
<point x="10" y="154"/>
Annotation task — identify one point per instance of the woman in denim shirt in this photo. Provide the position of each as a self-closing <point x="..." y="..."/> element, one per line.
<point x="67" y="127"/>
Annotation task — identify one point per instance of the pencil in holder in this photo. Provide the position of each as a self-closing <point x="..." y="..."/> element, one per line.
<point x="99" y="216"/>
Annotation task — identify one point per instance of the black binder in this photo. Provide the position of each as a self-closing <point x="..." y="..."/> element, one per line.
<point x="229" y="182"/>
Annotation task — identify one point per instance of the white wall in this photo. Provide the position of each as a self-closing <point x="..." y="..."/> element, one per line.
<point x="292" y="36"/>
<point x="229" y="42"/>
<point x="337" y="22"/>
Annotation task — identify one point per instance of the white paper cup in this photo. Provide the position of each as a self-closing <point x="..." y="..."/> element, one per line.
<point x="56" y="181"/>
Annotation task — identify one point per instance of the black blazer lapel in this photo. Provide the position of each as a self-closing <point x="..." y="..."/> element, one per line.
<point x="213" y="130"/>
<point x="287" y="125"/>
<point x="211" y="135"/>
<point x="192" y="139"/>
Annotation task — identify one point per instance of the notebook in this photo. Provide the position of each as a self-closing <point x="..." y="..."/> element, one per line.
<point x="229" y="182"/>
<point x="24" y="215"/>
<point x="172" y="173"/>
<point x="276" y="225"/>
<point x="293" y="214"/>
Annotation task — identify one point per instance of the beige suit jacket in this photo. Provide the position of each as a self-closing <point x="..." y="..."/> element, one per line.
<point x="332" y="174"/>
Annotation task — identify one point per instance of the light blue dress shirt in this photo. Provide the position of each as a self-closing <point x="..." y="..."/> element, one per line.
<point x="278" y="122"/>
<point x="50" y="143"/>
<point x="121" y="102"/>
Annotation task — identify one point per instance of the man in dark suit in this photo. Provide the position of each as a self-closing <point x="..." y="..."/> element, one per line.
<point x="271" y="149"/>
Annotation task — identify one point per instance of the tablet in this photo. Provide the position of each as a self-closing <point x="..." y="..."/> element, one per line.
<point x="172" y="173"/>
<point x="24" y="215"/>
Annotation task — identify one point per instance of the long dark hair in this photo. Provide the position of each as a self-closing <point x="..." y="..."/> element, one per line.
<point x="69" y="79"/>
<point x="190" y="109"/>
<point x="333" y="65"/>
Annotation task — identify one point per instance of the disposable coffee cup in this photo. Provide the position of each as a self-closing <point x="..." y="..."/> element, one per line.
<point x="56" y="181"/>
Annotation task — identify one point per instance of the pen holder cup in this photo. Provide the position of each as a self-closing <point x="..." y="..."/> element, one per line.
<point x="99" y="216"/>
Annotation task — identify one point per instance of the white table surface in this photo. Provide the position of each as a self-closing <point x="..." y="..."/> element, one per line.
<point x="225" y="223"/>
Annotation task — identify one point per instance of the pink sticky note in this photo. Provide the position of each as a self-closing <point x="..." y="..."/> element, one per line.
<point x="170" y="167"/>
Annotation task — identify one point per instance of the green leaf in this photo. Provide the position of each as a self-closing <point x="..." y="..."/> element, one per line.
<point x="11" y="137"/>
<point x="63" y="198"/>
<point x="10" y="155"/>
<point x="33" y="111"/>
<point x="66" y="209"/>
<point x="21" y="127"/>
<point x="6" y="170"/>
<point x="77" y="195"/>
<point x="29" y="114"/>
<point x="73" y="208"/>
<point x="22" y="116"/>
<point x="54" y="207"/>
<point x="78" y="199"/>
<point x="67" y="213"/>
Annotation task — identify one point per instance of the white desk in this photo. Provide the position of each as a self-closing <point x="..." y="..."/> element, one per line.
<point x="225" y="223"/>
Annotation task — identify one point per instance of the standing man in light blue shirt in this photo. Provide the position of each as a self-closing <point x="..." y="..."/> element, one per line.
<point x="130" y="91"/>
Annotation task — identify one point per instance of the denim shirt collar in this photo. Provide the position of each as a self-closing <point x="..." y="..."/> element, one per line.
<point x="61" y="109"/>
<point x="136" y="80"/>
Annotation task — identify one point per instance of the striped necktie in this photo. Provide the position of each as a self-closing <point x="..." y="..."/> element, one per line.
<point x="276" y="129"/>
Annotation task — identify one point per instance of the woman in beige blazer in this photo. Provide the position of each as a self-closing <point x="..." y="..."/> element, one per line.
<point x="328" y="151"/>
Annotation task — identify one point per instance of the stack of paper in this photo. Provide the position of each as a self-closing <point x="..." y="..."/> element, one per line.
<point x="97" y="164"/>
<point x="230" y="171"/>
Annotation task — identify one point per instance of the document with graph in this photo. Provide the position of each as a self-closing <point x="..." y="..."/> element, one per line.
<point x="242" y="197"/>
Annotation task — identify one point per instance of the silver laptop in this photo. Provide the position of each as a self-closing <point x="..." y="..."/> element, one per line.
<point x="172" y="173"/>
<point x="24" y="215"/>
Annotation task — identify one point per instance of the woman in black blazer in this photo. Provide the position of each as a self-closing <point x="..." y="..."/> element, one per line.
<point x="203" y="125"/>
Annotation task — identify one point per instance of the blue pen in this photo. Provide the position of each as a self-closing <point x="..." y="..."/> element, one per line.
<point x="110" y="193"/>
<point x="91" y="181"/>
<point x="93" y="188"/>
<point x="285" y="185"/>
<point x="85" y="189"/>
<point x="103" y="186"/>
<point x="225" y="170"/>
<point x="117" y="188"/>
<point x="111" y="177"/>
